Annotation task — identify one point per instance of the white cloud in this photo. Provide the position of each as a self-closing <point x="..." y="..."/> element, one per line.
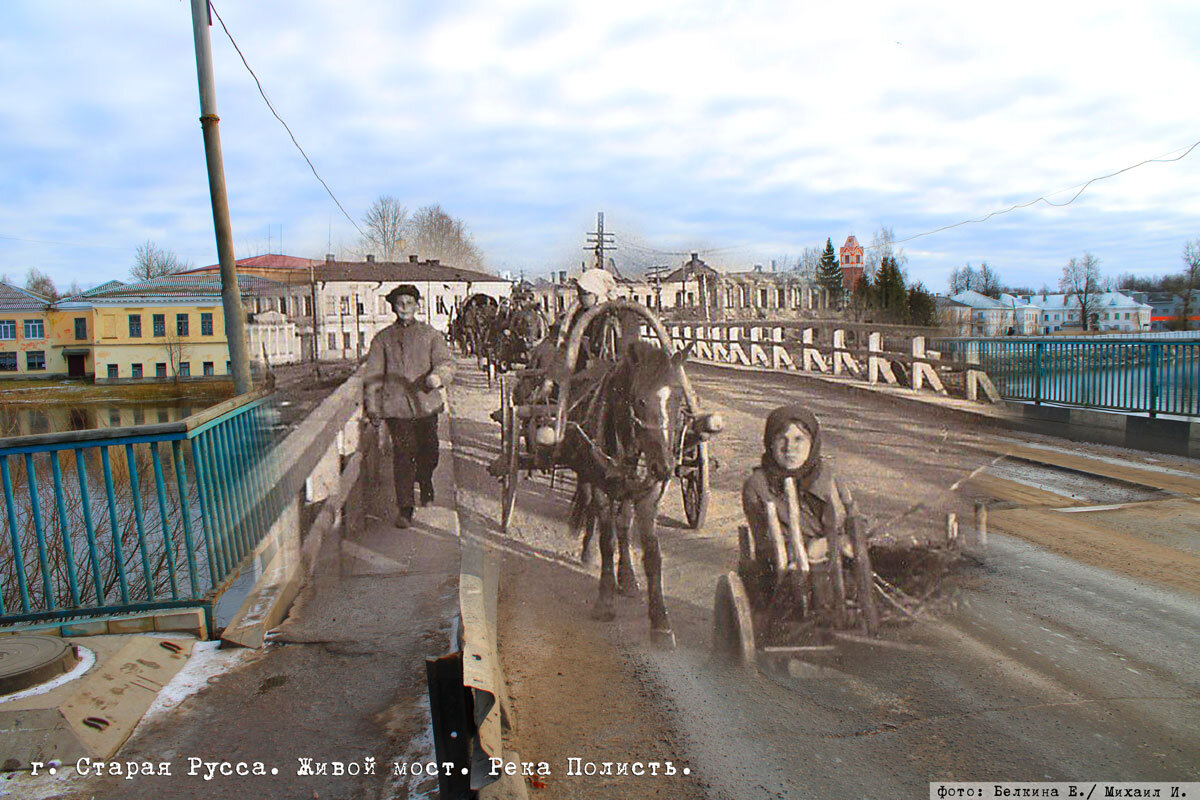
<point x="771" y="125"/>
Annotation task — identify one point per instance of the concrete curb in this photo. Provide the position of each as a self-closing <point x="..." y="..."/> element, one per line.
<point x="479" y="591"/>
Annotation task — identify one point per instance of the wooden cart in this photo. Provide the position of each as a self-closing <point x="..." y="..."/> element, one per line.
<point x="532" y="434"/>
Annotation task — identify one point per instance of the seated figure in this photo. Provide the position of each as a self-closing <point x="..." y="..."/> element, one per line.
<point x="791" y="449"/>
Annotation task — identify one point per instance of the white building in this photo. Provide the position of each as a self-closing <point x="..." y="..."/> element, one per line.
<point x="1110" y="311"/>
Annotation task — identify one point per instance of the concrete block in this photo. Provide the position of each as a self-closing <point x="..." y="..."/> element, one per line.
<point x="1098" y="419"/>
<point x="1160" y="435"/>
<point x="94" y="627"/>
<point x="183" y="622"/>
<point x="134" y="625"/>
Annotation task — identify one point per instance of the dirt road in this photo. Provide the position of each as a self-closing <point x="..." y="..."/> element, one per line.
<point x="1038" y="668"/>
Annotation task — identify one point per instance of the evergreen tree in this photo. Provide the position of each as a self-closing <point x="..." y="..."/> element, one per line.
<point x="829" y="275"/>
<point x="890" y="296"/>
<point x="922" y="310"/>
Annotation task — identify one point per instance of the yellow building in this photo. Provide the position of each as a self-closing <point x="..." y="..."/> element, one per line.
<point x="167" y="328"/>
<point x="26" y="349"/>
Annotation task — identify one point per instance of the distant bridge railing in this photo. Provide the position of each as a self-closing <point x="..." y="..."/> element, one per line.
<point x="890" y="355"/>
<point x="117" y="520"/>
<point x="1151" y="376"/>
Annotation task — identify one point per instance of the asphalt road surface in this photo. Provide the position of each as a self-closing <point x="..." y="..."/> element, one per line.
<point x="1030" y="667"/>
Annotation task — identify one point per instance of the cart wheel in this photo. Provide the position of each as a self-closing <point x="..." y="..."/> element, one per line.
<point x="693" y="482"/>
<point x="733" y="624"/>
<point x="512" y="474"/>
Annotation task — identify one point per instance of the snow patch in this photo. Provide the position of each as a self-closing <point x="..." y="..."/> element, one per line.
<point x="206" y="662"/>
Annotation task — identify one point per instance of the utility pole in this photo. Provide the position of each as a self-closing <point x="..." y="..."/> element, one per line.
<point x="231" y="298"/>
<point x="316" y="331"/>
<point x="598" y="239"/>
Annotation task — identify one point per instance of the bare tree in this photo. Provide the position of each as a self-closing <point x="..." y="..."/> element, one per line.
<point x="436" y="234"/>
<point x="882" y="246"/>
<point x="1191" y="280"/>
<point x="386" y="229"/>
<point x="1081" y="280"/>
<point x="810" y="259"/>
<point x="989" y="281"/>
<point x="39" y="282"/>
<point x="962" y="278"/>
<point x="152" y="261"/>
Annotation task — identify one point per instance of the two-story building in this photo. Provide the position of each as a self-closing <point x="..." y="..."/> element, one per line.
<point x="26" y="322"/>
<point x="166" y="328"/>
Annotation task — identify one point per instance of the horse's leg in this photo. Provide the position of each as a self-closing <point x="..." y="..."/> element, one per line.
<point x="585" y="550"/>
<point x="646" y="510"/>
<point x="604" y="609"/>
<point x="627" y="582"/>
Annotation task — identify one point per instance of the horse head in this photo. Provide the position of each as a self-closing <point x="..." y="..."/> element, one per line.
<point x="647" y="388"/>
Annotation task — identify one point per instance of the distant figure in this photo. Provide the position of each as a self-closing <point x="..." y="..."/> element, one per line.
<point x="408" y="365"/>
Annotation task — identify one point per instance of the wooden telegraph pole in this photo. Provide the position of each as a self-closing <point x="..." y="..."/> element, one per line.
<point x="231" y="298"/>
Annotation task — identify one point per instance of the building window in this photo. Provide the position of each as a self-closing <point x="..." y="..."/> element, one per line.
<point x="135" y="370"/>
<point x="135" y="326"/>
<point x="34" y="329"/>
<point x="35" y="360"/>
<point x="185" y="369"/>
<point x="208" y="368"/>
<point x="181" y="324"/>
<point x="307" y="306"/>
<point x="345" y="340"/>
<point x="206" y="323"/>
<point x="362" y="340"/>
<point x="160" y="324"/>
<point x="441" y="305"/>
<point x="8" y="329"/>
<point x="228" y="368"/>
<point x="160" y="369"/>
<point x="345" y="304"/>
<point x="333" y="341"/>
<point x="81" y="327"/>
<point x="113" y="371"/>
<point x="114" y="418"/>
<point x="8" y="362"/>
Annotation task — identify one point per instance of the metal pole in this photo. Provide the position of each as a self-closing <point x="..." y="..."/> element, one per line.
<point x="231" y="299"/>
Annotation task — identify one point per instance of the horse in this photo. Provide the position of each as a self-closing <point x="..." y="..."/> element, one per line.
<point x="477" y="316"/>
<point x="618" y="441"/>
<point x="514" y="334"/>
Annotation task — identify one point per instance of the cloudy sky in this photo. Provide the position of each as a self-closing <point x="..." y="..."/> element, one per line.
<point x="747" y="130"/>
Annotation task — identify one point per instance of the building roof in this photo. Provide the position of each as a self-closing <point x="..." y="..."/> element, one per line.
<point x="941" y="301"/>
<point x="16" y="299"/>
<point x="851" y="244"/>
<point x="177" y="286"/>
<point x="400" y="271"/>
<point x="268" y="261"/>
<point x="976" y="300"/>
<point x="1102" y="301"/>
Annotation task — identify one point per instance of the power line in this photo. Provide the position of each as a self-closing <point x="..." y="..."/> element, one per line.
<point x="1044" y="198"/>
<point x="281" y="122"/>
<point x="64" y="244"/>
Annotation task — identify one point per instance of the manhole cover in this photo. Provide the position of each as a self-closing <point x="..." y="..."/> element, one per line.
<point x="29" y="660"/>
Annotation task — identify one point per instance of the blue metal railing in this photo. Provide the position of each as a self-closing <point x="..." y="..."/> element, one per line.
<point x="215" y="494"/>
<point x="1153" y="377"/>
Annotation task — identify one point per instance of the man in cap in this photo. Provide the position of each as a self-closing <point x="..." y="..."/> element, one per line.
<point x="407" y="367"/>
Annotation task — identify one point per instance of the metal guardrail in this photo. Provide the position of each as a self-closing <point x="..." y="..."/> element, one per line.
<point x="215" y="495"/>
<point x="1151" y="376"/>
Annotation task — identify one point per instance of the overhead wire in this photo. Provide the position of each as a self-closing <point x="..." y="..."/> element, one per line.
<point x="1045" y="198"/>
<point x="266" y="100"/>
